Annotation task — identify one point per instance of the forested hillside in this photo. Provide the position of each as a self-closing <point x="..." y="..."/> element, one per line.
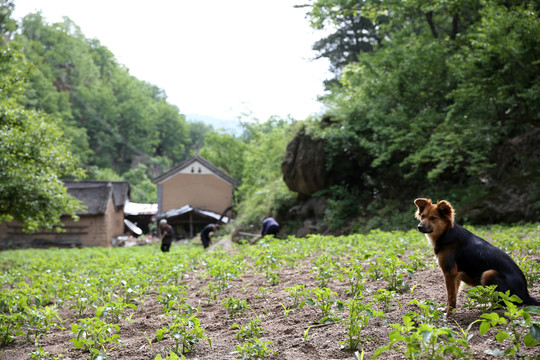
<point x="438" y="99"/>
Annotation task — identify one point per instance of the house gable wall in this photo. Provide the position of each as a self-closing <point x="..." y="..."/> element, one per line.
<point x="201" y="190"/>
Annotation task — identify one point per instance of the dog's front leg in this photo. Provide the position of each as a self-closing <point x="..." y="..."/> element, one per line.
<point x="452" y="282"/>
<point x="452" y="287"/>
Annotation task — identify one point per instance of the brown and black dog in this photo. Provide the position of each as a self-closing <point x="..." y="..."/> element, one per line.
<point x="466" y="257"/>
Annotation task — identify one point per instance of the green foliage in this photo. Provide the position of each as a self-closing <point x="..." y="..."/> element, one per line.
<point x="360" y="314"/>
<point x="255" y="349"/>
<point x="80" y="82"/>
<point x="517" y="327"/>
<point x="108" y="282"/>
<point x="445" y="86"/>
<point x="33" y="157"/>
<point x="186" y="331"/>
<point x="235" y="307"/>
<point x="252" y="330"/>
<point x="263" y="191"/>
<point x="425" y="341"/>
<point x="94" y="335"/>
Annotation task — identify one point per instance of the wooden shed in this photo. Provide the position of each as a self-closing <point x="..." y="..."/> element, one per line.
<point x="99" y="223"/>
<point x="198" y="185"/>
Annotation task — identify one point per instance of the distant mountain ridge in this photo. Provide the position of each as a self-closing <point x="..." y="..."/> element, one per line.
<point x="230" y="125"/>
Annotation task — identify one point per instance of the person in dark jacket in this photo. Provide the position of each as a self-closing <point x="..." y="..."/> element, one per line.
<point x="205" y="234"/>
<point x="269" y="227"/>
<point x="167" y="235"/>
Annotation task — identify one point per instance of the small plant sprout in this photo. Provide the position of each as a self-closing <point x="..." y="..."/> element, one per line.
<point x="255" y="349"/>
<point x="425" y="341"/>
<point x="212" y="291"/>
<point x="185" y="330"/>
<point x="94" y="335"/>
<point x="297" y="295"/>
<point x="384" y="298"/>
<point x="235" y="307"/>
<point x="251" y="330"/>
<point x="359" y="317"/>
<point x="263" y="291"/>
<point x="515" y="327"/>
<point x="324" y="299"/>
<point x="486" y="298"/>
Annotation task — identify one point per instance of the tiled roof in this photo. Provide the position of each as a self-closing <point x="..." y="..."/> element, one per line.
<point x="95" y="195"/>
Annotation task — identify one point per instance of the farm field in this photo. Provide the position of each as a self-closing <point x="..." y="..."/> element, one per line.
<point x="320" y="297"/>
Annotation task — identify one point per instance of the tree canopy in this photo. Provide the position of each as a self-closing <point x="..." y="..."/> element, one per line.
<point x="448" y="85"/>
<point x="33" y="156"/>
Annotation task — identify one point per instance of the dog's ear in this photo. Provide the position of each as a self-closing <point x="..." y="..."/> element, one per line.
<point x="421" y="204"/>
<point x="446" y="210"/>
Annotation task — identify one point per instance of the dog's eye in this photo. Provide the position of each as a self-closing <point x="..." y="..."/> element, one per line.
<point x="422" y="216"/>
<point x="432" y="218"/>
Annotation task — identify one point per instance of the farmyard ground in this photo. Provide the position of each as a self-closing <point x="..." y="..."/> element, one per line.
<point x="286" y="331"/>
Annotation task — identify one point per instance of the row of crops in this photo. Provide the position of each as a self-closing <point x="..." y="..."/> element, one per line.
<point x="90" y="297"/>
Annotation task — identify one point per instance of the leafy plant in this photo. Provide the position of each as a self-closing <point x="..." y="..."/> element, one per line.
<point x="235" y="306"/>
<point x="425" y="341"/>
<point x="255" y="349"/>
<point x="185" y="330"/>
<point x="324" y="269"/>
<point x="113" y="311"/>
<point x="263" y="291"/>
<point x="484" y="297"/>
<point x="251" y="330"/>
<point x="212" y="291"/>
<point x="517" y="327"/>
<point x="324" y="299"/>
<point x="384" y="297"/>
<point x="359" y="316"/>
<point x="94" y="335"/>
<point x="298" y="294"/>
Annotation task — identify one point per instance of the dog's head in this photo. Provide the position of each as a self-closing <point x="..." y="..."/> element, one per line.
<point x="434" y="219"/>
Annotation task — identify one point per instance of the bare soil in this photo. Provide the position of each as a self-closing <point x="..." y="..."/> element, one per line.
<point x="286" y="332"/>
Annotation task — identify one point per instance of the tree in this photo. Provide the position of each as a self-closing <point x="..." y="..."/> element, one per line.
<point x="33" y="156"/>
<point x="450" y="84"/>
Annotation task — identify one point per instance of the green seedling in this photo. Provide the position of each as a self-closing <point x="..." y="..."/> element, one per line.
<point x="324" y="300"/>
<point x="112" y="312"/>
<point x="171" y="297"/>
<point x="235" y="307"/>
<point x="516" y="327"/>
<point x="94" y="335"/>
<point x="172" y="356"/>
<point x="324" y="269"/>
<point x="263" y="291"/>
<point x="429" y="313"/>
<point x="486" y="298"/>
<point x="212" y="291"/>
<point x="425" y="341"/>
<point x="298" y="295"/>
<point x="384" y="298"/>
<point x="359" y="317"/>
<point x="185" y="330"/>
<point x="255" y="349"/>
<point x="251" y="330"/>
<point x="272" y="278"/>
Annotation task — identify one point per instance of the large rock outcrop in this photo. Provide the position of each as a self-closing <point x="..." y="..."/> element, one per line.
<point x="303" y="167"/>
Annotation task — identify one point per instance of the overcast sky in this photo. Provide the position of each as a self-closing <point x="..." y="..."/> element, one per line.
<point x="212" y="57"/>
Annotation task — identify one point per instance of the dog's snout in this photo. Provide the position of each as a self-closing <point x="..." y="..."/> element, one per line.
<point x="423" y="229"/>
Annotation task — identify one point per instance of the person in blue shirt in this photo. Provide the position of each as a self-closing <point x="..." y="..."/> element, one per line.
<point x="205" y="234"/>
<point x="269" y="227"/>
